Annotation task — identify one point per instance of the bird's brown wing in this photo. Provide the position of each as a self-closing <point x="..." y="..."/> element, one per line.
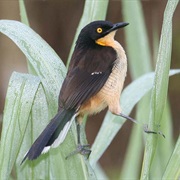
<point x="86" y="76"/>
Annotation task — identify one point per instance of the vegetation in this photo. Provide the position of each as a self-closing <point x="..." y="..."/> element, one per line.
<point x="32" y="100"/>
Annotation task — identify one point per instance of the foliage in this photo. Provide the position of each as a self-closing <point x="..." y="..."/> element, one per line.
<point x="32" y="100"/>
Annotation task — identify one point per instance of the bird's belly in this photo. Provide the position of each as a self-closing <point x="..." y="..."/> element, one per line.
<point x="111" y="91"/>
<point x="94" y="105"/>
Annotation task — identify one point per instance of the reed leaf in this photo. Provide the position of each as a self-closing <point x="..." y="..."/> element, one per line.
<point x="138" y="64"/>
<point x="173" y="167"/>
<point x="160" y="86"/>
<point x="19" y="100"/>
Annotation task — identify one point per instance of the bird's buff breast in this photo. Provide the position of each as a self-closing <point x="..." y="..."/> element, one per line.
<point x="110" y="93"/>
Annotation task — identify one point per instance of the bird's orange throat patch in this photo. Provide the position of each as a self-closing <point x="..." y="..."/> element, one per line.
<point x="100" y="42"/>
<point x="107" y="40"/>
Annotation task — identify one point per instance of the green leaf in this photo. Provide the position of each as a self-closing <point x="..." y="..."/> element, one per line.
<point x="23" y="13"/>
<point x="20" y="96"/>
<point x="47" y="65"/>
<point x="24" y="19"/>
<point x="112" y="124"/>
<point x="38" y="118"/>
<point x="160" y="87"/>
<point x="139" y="64"/>
<point x="173" y="167"/>
<point x="136" y="39"/>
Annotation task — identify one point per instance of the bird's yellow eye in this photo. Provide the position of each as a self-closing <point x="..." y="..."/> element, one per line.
<point x="99" y="30"/>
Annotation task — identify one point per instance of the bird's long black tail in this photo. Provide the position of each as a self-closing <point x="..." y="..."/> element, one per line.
<point x="54" y="134"/>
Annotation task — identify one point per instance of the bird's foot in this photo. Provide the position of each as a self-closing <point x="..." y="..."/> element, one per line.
<point x="82" y="149"/>
<point x="146" y="130"/>
<point x="145" y="127"/>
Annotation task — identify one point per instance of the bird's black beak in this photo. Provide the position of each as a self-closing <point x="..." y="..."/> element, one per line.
<point x="117" y="26"/>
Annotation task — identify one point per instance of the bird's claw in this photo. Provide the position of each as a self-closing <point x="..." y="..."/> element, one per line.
<point x="82" y="149"/>
<point x="146" y="130"/>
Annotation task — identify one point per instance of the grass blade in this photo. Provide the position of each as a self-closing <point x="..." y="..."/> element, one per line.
<point x="23" y="13"/>
<point x="159" y="92"/>
<point x="173" y="167"/>
<point x="20" y="96"/>
<point x="138" y="63"/>
<point x="24" y="19"/>
<point x="136" y="38"/>
<point x="38" y="119"/>
<point x="47" y="65"/>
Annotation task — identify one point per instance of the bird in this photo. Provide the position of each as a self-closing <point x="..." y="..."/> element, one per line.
<point x="94" y="81"/>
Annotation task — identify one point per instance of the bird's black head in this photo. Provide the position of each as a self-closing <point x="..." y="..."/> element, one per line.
<point x="98" y="29"/>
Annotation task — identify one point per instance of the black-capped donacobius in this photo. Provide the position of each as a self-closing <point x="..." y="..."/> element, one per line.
<point x="93" y="82"/>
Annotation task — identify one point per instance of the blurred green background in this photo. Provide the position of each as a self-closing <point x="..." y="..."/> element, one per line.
<point x="56" y="22"/>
